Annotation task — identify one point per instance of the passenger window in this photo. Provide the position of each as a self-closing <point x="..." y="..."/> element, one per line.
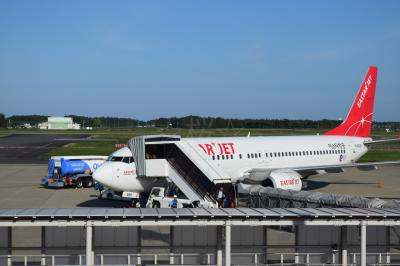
<point x="252" y="155"/>
<point x="255" y="155"/>
<point x="213" y="157"/>
<point x="248" y="156"/>
<point x="217" y="157"/>
<point x="231" y="156"/>
<point x="274" y="154"/>
<point x="266" y="154"/>
<point x="240" y="156"/>
<point x="259" y="155"/>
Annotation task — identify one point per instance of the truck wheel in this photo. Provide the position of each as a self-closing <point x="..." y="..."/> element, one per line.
<point x="156" y="204"/>
<point x="88" y="182"/>
<point x="136" y="203"/>
<point x="79" y="183"/>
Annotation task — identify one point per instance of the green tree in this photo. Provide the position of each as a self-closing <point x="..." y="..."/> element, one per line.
<point x="3" y="122"/>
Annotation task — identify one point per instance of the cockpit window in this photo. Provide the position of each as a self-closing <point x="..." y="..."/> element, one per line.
<point x="120" y="159"/>
<point x="115" y="159"/>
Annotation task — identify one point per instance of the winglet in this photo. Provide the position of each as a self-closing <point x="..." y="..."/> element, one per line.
<point x="358" y="122"/>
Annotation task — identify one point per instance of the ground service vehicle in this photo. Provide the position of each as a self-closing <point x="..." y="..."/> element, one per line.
<point x="71" y="171"/>
<point x="158" y="199"/>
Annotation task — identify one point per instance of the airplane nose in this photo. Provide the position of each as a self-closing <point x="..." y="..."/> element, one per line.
<point x="103" y="175"/>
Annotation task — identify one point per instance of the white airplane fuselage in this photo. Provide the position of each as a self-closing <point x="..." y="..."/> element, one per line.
<point x="236" y="156"/>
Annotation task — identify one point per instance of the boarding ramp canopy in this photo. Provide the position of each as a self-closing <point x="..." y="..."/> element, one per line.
<point x="171" y="156"/>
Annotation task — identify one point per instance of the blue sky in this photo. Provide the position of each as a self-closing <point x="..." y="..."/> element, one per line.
<point x="235" y="59"/>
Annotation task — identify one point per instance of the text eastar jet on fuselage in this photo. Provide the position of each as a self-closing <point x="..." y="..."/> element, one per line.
<point x="280" y="161"/>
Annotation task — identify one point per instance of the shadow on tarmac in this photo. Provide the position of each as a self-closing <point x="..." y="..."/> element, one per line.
<point x="103" y="203"/>
<point x="312" y="184"/>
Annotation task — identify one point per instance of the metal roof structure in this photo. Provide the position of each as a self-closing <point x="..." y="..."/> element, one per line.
<point x="225" y="218"/>
<point x="239" y="216"/>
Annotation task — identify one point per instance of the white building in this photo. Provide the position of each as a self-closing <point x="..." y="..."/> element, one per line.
<point x="59" y="123"/>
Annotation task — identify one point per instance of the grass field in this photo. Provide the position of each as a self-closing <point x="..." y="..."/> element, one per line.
<point x="103" y="141"/>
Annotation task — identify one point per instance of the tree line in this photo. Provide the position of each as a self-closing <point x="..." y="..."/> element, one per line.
<point x="187" y="122"/>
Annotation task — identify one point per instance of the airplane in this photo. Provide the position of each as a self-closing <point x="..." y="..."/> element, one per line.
<point x="275" y="161"/>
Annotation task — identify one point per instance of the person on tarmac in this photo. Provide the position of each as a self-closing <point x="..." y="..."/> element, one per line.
<point x="226" y="202"/>
<point x="174" y="202"/>
<point x="220" y="197"/>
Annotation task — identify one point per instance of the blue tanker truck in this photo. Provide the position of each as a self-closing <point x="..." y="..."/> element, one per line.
<point x="71" y="171"/>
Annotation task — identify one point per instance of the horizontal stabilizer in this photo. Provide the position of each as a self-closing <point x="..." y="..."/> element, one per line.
<point x="372" y="142"/>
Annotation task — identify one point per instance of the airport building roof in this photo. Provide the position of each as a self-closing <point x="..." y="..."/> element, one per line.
<point x="186" y="216"/>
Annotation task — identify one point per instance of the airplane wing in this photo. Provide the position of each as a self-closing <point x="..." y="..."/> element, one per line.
<point x="339" y="168"/>
<point x="336" y="168"/>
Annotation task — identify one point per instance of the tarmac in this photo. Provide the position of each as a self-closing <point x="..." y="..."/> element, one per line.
<point x="20" y="187"/>
<point x="29" y="148"/>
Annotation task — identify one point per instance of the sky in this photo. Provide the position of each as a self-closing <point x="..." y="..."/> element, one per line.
<point x="234" y="59"/>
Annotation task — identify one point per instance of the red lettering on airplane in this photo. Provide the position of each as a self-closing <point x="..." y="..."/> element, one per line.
<point x="289" y="182"/>
<point x="232" y="148"/>
<point x="202" y="147"/>
<point x="227" y="148"/>
<point x="210" y="150"/>
<point x="222" y="149"/>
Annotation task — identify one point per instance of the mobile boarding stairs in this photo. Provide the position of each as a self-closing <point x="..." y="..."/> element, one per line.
<point x="172" y="157"/>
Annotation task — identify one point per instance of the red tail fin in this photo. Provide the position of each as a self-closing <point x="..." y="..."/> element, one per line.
<point x="359" y="120"/>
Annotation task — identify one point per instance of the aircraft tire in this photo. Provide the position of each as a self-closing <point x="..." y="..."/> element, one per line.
<point x="79" y="183"/>
<point x="88" y="182"/>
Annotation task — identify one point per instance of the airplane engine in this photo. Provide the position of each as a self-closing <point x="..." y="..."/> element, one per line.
<point x="284" y="179"/>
